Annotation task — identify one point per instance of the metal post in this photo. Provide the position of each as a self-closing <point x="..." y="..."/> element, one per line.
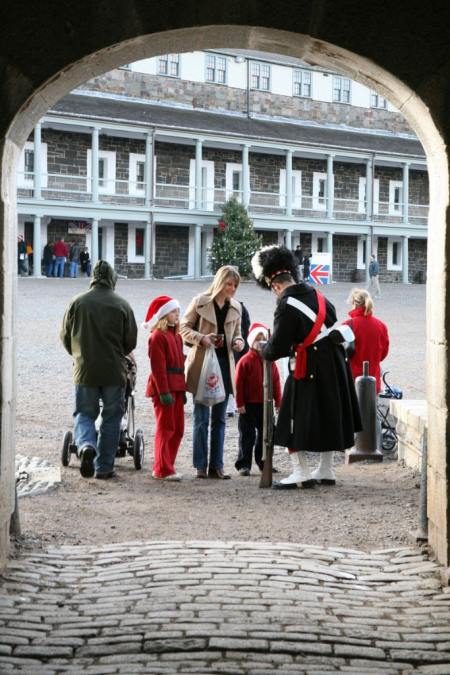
<point x="94" y="169"/>
<point x="198" y="174"/>
<point x="197" y="251"/>
<point x="330" y="187"/>
<point x="289" y="182"/>
<point x="366" y="440"/>
<point x="421" y="534"/>
<point x="94" y="242"/>
<point x="37" y="254"/>
<point x="37" y="162"/>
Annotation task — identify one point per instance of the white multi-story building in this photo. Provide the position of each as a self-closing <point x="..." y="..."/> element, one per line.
<point x="138" y="162"/>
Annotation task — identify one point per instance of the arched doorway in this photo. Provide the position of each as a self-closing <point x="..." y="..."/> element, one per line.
<point x="109" y="44"/>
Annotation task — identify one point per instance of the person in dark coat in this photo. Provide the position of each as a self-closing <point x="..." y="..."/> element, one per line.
<point x="245" y="327"/>
<point x="319" y="411"/>
<point x="21" y="256"/>
<point x="306" y="267"/>
<point x="48" y="258"/>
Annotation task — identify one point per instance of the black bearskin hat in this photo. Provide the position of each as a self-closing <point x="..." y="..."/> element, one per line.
<point x="271" y="261"/>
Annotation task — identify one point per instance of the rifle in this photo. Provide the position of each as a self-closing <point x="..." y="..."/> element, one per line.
<point x="268" y="427"/>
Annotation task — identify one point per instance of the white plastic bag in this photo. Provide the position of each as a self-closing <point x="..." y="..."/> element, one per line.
<point x="210" y="389"/>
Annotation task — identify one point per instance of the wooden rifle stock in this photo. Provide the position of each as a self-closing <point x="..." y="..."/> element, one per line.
<point x="268" y="427"/>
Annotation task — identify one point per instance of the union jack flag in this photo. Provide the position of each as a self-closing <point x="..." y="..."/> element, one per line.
<point x="79" y="225"/>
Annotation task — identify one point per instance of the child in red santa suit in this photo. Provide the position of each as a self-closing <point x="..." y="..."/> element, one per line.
<point x="166" y="385"/>
<point x="250" y="400"/>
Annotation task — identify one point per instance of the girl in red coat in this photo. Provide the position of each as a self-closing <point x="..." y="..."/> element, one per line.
<point x="166" y="385"/>
<point x="371" y="336"/>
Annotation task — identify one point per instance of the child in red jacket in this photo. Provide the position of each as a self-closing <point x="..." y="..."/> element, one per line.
<point x="166" y="385"/>
<point x="250" y="400"/>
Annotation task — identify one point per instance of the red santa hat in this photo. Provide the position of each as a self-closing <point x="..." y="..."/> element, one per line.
<point x="255" y="330"/>
<point x="159" y="307"/>
<point x="20" y="236"/>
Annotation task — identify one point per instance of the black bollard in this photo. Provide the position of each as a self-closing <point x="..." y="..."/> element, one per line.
<point x="366" y="440"/>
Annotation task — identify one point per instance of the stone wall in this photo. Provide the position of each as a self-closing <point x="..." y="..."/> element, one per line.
<point x="206" y="96"/>
<point x="172" y="251"/>
<point x="344" y="257"/>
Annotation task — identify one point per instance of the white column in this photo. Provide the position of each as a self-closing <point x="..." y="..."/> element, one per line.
<point x="94" y="242"/>
<point x="197" y="251"/>
<point x="94" y="168"/>
<point x="369" y="188"/>
<point x="405" y="193"/>
<point x="37" y="253"/>
<point x="245" y="176"/>
<point x="148" y="168"/>
<point x="330" y="187"/>
<point x="368" y="252"/>
<point x="198" y="175"/>
<point x="330" y="250"/>
<point x="289" y="182"/>
<point x="405" y="270"/>
<point x="288" y="239"/>
<point x="37" y="162"/>
<point x="147" y="250"/>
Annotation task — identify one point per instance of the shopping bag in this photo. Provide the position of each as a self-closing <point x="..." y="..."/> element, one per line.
<point x="210" y="385"/>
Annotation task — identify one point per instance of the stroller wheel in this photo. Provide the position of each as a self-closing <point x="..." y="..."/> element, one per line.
<point x="138" y="450"/>
<point x="389" y="439"/>
<point x="65" y="452"/>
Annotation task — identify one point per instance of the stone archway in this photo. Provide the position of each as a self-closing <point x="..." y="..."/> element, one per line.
<point x="39" y="67"/>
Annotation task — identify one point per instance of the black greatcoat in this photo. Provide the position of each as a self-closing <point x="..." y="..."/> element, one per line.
<point x="326" y="409"/>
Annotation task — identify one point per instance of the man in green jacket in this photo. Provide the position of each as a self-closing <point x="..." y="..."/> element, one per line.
<point x="99" y="330"/>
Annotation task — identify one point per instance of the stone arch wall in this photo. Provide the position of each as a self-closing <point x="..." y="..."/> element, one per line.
<point x="392" y="48"/>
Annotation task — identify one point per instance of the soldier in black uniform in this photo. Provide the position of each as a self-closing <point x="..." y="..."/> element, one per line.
<point x="319" y="411"/>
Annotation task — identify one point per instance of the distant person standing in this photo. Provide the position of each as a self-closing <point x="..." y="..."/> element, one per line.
<point x="30" y="257"/>
<point x="306" y="267"/>
<point x="299" y="255"/>
<point x="374" y="273"/>
<point x="21" y="256"/>
<point x="74" y="259"/>
<point x="48" y="258"/>
<point x="85" y="261"/>
<point x="60" y="251"/>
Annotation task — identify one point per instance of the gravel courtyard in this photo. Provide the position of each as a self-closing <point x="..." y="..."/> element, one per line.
<point x="372" y="506"/>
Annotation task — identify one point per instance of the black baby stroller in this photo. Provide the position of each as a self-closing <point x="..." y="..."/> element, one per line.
<point x="131" y="441"/>
<point x="388" y="432"/>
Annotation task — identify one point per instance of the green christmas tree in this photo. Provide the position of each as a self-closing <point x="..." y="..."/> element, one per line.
<point x="235" y="242"/>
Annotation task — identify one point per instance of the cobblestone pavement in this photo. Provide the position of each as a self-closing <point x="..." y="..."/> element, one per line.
<point x="216" y="607"/>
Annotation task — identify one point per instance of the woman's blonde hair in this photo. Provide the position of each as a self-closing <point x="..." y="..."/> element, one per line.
<point x="361" y="298"/>
<point x="163" y="324"/>
<point x="221" y="277"/>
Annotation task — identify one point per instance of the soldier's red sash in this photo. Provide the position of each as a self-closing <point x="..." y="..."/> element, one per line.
<point x="300" y="366"/>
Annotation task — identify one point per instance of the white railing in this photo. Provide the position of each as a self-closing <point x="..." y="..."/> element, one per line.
<point x="78" y="188"/>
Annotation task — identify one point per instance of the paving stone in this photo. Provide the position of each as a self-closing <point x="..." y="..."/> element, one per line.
<point x="43" y="651"/>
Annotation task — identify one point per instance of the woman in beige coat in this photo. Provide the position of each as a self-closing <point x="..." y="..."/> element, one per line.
<point x="212" y="313"/>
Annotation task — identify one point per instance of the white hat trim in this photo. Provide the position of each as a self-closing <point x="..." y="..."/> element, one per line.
<point x="165" y="309"/>
<point x="253" y="333"/>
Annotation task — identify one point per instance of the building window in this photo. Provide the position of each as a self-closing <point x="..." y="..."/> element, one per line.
<point x="106" y="171"/>
<point x="341" y="90"/>
<point x="362" y="195"/>
<point x="296" y="189"/>
<point x="260" y="76"/>
<point x="236" y="183"/>
<point x="377" y="101"/>
<point x="321" y="194"/>
<point x="102" y="172"/>
<point x="302" y="83"/>
<point x="394" y="254"/>
<point x="216" y="69"/>
<point x="319" y="191"/>
<point x="207" y="199"/>
<point x="319" y="244"/>
<point x="29" y="164"/>
<point x="169" y="64"/>
<point x="395" y="197"/>
<point x="233" y="181"/>
<point x="140" y="175"/>
<point x="140" y="232"/>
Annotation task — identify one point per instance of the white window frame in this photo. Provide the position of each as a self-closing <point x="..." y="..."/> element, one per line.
<point x="315" y="241"/>
<point x="260" y="66"/>
<point x="296" y="189"/>
<point x="339" y="80"/>
<point x="390" y="250"/>
<point x="216" y="70"/>
<point x="362" y="194"/>
<point x="110" y="179"/>
<point x="131" y="249"/>
<point x="302" y="83"/>
<point x="28" y="184"/>
<point x="317" y="177"/>
<point x="133" y="188"/>
<point x="169" y="61"/>
<point x="230" y="168"/>
<point x="393" y="185"/>
<point x="377" y="101"/>
<point x="208" y="194"/>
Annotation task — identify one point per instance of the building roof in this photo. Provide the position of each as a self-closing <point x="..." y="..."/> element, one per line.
<point x="178" y="118"/>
